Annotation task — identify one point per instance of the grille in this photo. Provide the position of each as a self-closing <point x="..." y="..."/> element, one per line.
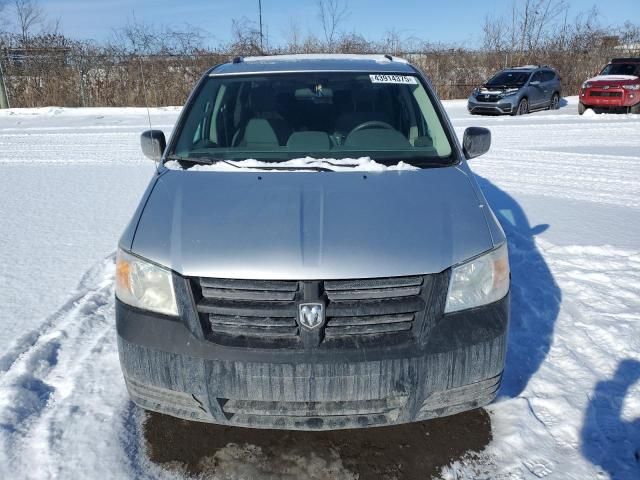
<point x="251" y="308"/>
<point x="486" y="97"/>
<point x="264" y="312"/>
<point x="372" y="306"/>
<point x="314" y="415"/>
<point x="309" y="409"/>
<point x="605" y="94"/>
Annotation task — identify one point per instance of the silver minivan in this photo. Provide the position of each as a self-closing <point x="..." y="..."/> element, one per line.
<point x="313" y="253"/>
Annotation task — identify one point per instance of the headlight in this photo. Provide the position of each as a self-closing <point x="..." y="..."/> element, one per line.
<point x="508" y="93"/>
<point x="480" y="281"/>
<point x="632" y="87"/>
<point x="142" y="284"/>
<point x="586" y="85"/>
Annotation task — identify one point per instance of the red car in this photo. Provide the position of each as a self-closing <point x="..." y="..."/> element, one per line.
<point x="617" y="88"/>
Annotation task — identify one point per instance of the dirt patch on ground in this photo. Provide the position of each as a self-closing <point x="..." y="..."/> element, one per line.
<point x="412" y="451"/>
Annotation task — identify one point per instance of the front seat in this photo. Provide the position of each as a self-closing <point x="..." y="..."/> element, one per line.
<point x="258" y="134"/>
<point x="264" y="122"/>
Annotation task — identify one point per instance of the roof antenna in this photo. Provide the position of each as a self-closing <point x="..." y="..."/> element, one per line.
<point x="146" y="104"/>
<point x="388" y="57"/>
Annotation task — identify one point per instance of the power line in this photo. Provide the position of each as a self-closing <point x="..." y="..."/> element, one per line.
<point x="260" y="16"/>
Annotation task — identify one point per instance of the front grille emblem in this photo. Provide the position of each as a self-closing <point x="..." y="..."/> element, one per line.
<point x="311" y="315"/>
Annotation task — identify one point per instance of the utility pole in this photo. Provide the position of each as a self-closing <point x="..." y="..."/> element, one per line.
<point x="260" y="16"/>
<point x="4" y="101"/>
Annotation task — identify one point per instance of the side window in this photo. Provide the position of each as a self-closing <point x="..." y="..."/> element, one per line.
<point x="435" y="131"/>
<point x="537" y="77"/>
<point x="548" y="75"/>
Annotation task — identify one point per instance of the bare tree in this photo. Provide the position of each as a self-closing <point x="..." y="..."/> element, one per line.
<point x="246" y="38"/>
<point x="495" y="34"/>
<point x="29" y="15"/>
<point x="4" y="21"/>
<point x="293" y="36"/>
<point x="332" y="13"/>
<point x="531" y="25"/>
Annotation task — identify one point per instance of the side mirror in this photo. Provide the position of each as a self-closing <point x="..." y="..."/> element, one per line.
<point x="153" y="144"/>
<point x="534" y="83"/>
<point x="476" y="142"/>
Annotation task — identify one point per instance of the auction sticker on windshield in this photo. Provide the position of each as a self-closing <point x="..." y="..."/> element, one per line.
<point x="385" y="78"/>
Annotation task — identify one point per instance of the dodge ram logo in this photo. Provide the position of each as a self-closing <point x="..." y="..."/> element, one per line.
<point x="311" y="315"/>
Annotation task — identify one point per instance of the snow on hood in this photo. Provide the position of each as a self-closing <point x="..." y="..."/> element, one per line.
<point x="362" y="164"/>
<point x="613" y="78"/>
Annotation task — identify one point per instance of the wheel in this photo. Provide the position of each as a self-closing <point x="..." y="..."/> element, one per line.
<point x="581" y="108"/>
<point x="555" y="102"/>
<point x="523" y="107"/>
<point x="635" y="109"/>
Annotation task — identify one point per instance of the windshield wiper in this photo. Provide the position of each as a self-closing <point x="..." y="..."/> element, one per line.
<point x="291" y="169"/>
<point x="203" y="160"/>
<point x="200" y="161"/>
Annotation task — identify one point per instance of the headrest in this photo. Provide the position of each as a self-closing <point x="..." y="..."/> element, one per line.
<point x="259" y="132"/>
<point x="308" y="141"/>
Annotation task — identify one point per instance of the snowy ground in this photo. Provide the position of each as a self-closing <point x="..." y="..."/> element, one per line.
<point x="565" y="188"/>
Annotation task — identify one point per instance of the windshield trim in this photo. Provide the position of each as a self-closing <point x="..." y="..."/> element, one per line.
<point x="454" y="158"/>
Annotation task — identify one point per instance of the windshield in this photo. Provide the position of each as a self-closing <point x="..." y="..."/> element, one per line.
<point x="278" y="117"/>
<point x="508" y="79"/>
<point x="622" y="69"/>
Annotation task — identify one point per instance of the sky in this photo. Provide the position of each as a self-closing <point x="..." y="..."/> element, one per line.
<point x="450" y="22"/>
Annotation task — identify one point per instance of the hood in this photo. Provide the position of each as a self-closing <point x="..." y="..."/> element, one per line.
<point x="499" y="88"/>
<point x="613" y="80"/>
<point x="311" y="225"/>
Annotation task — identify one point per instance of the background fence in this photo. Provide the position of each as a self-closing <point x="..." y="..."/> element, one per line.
<point x="144" y="63"/>
<point x="64" y="78"/>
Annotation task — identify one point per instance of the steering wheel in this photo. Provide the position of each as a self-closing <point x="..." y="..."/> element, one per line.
<point x="369" y="124"/>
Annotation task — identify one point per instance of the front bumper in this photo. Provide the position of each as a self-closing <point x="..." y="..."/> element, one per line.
<point x="501" y="107"/>
<point x="169" y="370"/>
<point x="610" y="98"/>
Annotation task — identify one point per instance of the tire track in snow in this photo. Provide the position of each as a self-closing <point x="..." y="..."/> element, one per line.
<point x="64" y="412"/>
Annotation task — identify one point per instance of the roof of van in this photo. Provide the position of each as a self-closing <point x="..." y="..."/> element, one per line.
<point x="314" y="62"/>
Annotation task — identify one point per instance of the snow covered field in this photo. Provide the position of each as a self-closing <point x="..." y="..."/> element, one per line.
<point x="566" y="189"/>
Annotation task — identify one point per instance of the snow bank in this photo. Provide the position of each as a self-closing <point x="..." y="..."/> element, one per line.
<point x="362" y="164"/>
<point x="111" y="112"/>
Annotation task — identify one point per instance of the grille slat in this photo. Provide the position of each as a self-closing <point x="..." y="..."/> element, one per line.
<point x="332" y="285"/>
<point x="252" y="321"/>
<point x="257" y="331"/>
<point x="231" y="294"/>
<point x="371" y="320"/>
<point x="366" y="329"/>
<point x="391" y="306"/>
<point x="280" y="285"/>
<point x="247" y="309"/>
<point x="373" y="293"/>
